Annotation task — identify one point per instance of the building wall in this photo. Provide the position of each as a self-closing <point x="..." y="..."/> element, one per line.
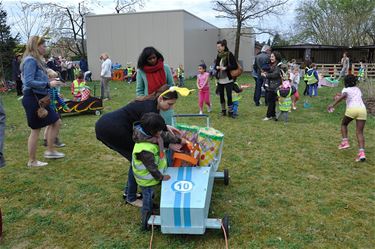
<point x="246" y="53"/>
<point x="200" y="43"/>
<point x="124" y="36"/>
<point x="181" y="37"/>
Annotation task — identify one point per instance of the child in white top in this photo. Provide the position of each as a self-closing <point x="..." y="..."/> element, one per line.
<point x="355" y="109"/>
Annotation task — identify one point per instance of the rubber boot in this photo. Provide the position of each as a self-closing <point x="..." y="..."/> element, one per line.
<point x="223" y="110"/>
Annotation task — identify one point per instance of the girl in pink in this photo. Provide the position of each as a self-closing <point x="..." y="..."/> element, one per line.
<point x="203" y="88"/>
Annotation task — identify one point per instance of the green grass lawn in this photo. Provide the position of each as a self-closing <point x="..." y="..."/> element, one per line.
<point x="290" y="186"/>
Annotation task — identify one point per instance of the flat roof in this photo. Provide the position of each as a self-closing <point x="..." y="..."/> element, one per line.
<point x="151" y="12"/>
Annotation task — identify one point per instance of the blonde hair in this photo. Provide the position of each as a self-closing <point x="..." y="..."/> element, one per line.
<point x="32" y="50"/>
<point x="52" y="74"/>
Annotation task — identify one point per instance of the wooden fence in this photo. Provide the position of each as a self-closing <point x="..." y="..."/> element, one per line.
<point x="334" y="69"/>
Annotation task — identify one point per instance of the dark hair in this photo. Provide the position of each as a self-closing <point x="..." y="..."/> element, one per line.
<point x="224" y="44"/>
<point x="157" y="93"/>
<point x="147" y="52"/>
<point x="80" y="75"/>
<point x="170" y="95"/>
<point x="350" y="80"/>
<point x="203" y="66"/>
<point x="152" y="123"/>
<point x="277" y="55"/>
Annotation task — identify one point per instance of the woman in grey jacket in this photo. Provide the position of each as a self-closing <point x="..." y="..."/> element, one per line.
<point x="274" y="81"/>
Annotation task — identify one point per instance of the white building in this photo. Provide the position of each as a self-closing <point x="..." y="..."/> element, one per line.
<point x="181" y="37"/>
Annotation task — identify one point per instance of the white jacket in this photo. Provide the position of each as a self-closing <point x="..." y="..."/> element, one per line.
<point x="106" y="68"/>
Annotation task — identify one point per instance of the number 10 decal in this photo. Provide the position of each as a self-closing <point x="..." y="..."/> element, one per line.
<point x="182" y="186"/>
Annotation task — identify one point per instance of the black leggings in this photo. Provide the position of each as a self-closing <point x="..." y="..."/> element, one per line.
<point x="271" y="99"/>
<point x="229" y="88"/>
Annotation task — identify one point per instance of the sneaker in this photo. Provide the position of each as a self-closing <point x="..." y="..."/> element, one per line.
<point x="361" y="157"/>
<point x="59" y="144"/>
<point x="138" y="195"/>
<point x="136" y="203"/>
<point x="266" y="119"/>
<point x="36" y="164"/>
<point x="209" y="109"/>
<point x="53" y="155"/>
<point x="344" y="144"/>
<point x="200" y="112"/>
<point x="294" y="107"/>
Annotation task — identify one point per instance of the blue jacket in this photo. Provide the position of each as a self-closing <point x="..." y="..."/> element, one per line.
<point x="34" y="77"/>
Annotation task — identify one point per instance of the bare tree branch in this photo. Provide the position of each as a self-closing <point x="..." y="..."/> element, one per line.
<point x="245" y="13"/>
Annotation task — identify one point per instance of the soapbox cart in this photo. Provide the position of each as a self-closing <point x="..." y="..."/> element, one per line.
<point x="185" y="198"/>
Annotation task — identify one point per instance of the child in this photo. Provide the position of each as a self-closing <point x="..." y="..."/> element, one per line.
<point x="203" y="88"/>
<point x="181" y="75"/>
<point x="361" y="70"/>
<point x="285" y="95"/>
<point x="129" y="73"/>
<point x="312" y="81"/>
<point x="355" y="109"/>
<point x="148" y="158"/>
<point x="294" y="78"/>
<point x="77" y="86"/>
<point x="305" y="79"/>
<point x="54" y="96"/>
<point x="236" y="99"/>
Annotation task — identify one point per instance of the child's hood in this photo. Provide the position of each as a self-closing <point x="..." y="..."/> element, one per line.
<point x="310" y="71"/>
<point x="139" y="135"/>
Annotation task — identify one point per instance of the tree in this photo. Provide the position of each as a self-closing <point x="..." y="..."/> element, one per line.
<point x="7" y="44"/>
<point x="278" y="40"/>
<point x="336" y="22"/>
<point x="27" y="21"/>
<point x="247" y="13"/>
<point x="127" y="5"/>
<point x="68" y="29"/>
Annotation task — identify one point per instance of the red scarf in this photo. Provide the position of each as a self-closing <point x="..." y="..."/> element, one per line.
<point x="156" y="76"/>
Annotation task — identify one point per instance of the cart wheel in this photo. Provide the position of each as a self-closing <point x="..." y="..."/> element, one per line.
<point x="225" y="222"/>
<point x="145" y="218"/>
<point x="98" y="113"/>
<point x="226" y="177"/>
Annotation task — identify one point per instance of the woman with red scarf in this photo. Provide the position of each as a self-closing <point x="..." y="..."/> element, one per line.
<point x="152" y="74"/>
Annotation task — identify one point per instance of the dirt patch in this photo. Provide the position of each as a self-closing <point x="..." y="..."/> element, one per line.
<point x="370" y="104"/>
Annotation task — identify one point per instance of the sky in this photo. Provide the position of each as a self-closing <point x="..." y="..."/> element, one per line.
<point x="200" y="8"/>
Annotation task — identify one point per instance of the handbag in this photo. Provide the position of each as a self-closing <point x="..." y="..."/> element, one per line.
<point x="43" y="103"/>
<point x="235" y="72"/>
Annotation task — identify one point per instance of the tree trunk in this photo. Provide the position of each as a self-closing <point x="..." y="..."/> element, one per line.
<point x="237" y="43"/>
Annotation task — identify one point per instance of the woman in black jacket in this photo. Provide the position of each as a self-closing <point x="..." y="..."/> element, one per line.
<point x="225" y="62"/>
<point x="274" y="81"/>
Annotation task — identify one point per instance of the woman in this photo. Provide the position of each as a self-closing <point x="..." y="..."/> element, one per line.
<point x="225" y="62"/>
<point x="274" y="81"/>
<point x="36" y="86"/>
<point x="115" y="130"/>
<point x="153" y="73"/>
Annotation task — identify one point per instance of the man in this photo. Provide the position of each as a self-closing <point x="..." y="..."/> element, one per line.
<point x="16" y="74"/>
<point x="261" y="60"/>
<point x="105" y="76"/>
<point x="2" y="133"/>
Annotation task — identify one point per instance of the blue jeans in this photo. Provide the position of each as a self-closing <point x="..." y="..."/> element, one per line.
<point x="147" y="193"/>
<point x="181" y="81"/>
<point x="235" y="107"/>
<point x="131" y="186"/>
<point x="313" y="90"/>
<point x="258" y="90"/>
